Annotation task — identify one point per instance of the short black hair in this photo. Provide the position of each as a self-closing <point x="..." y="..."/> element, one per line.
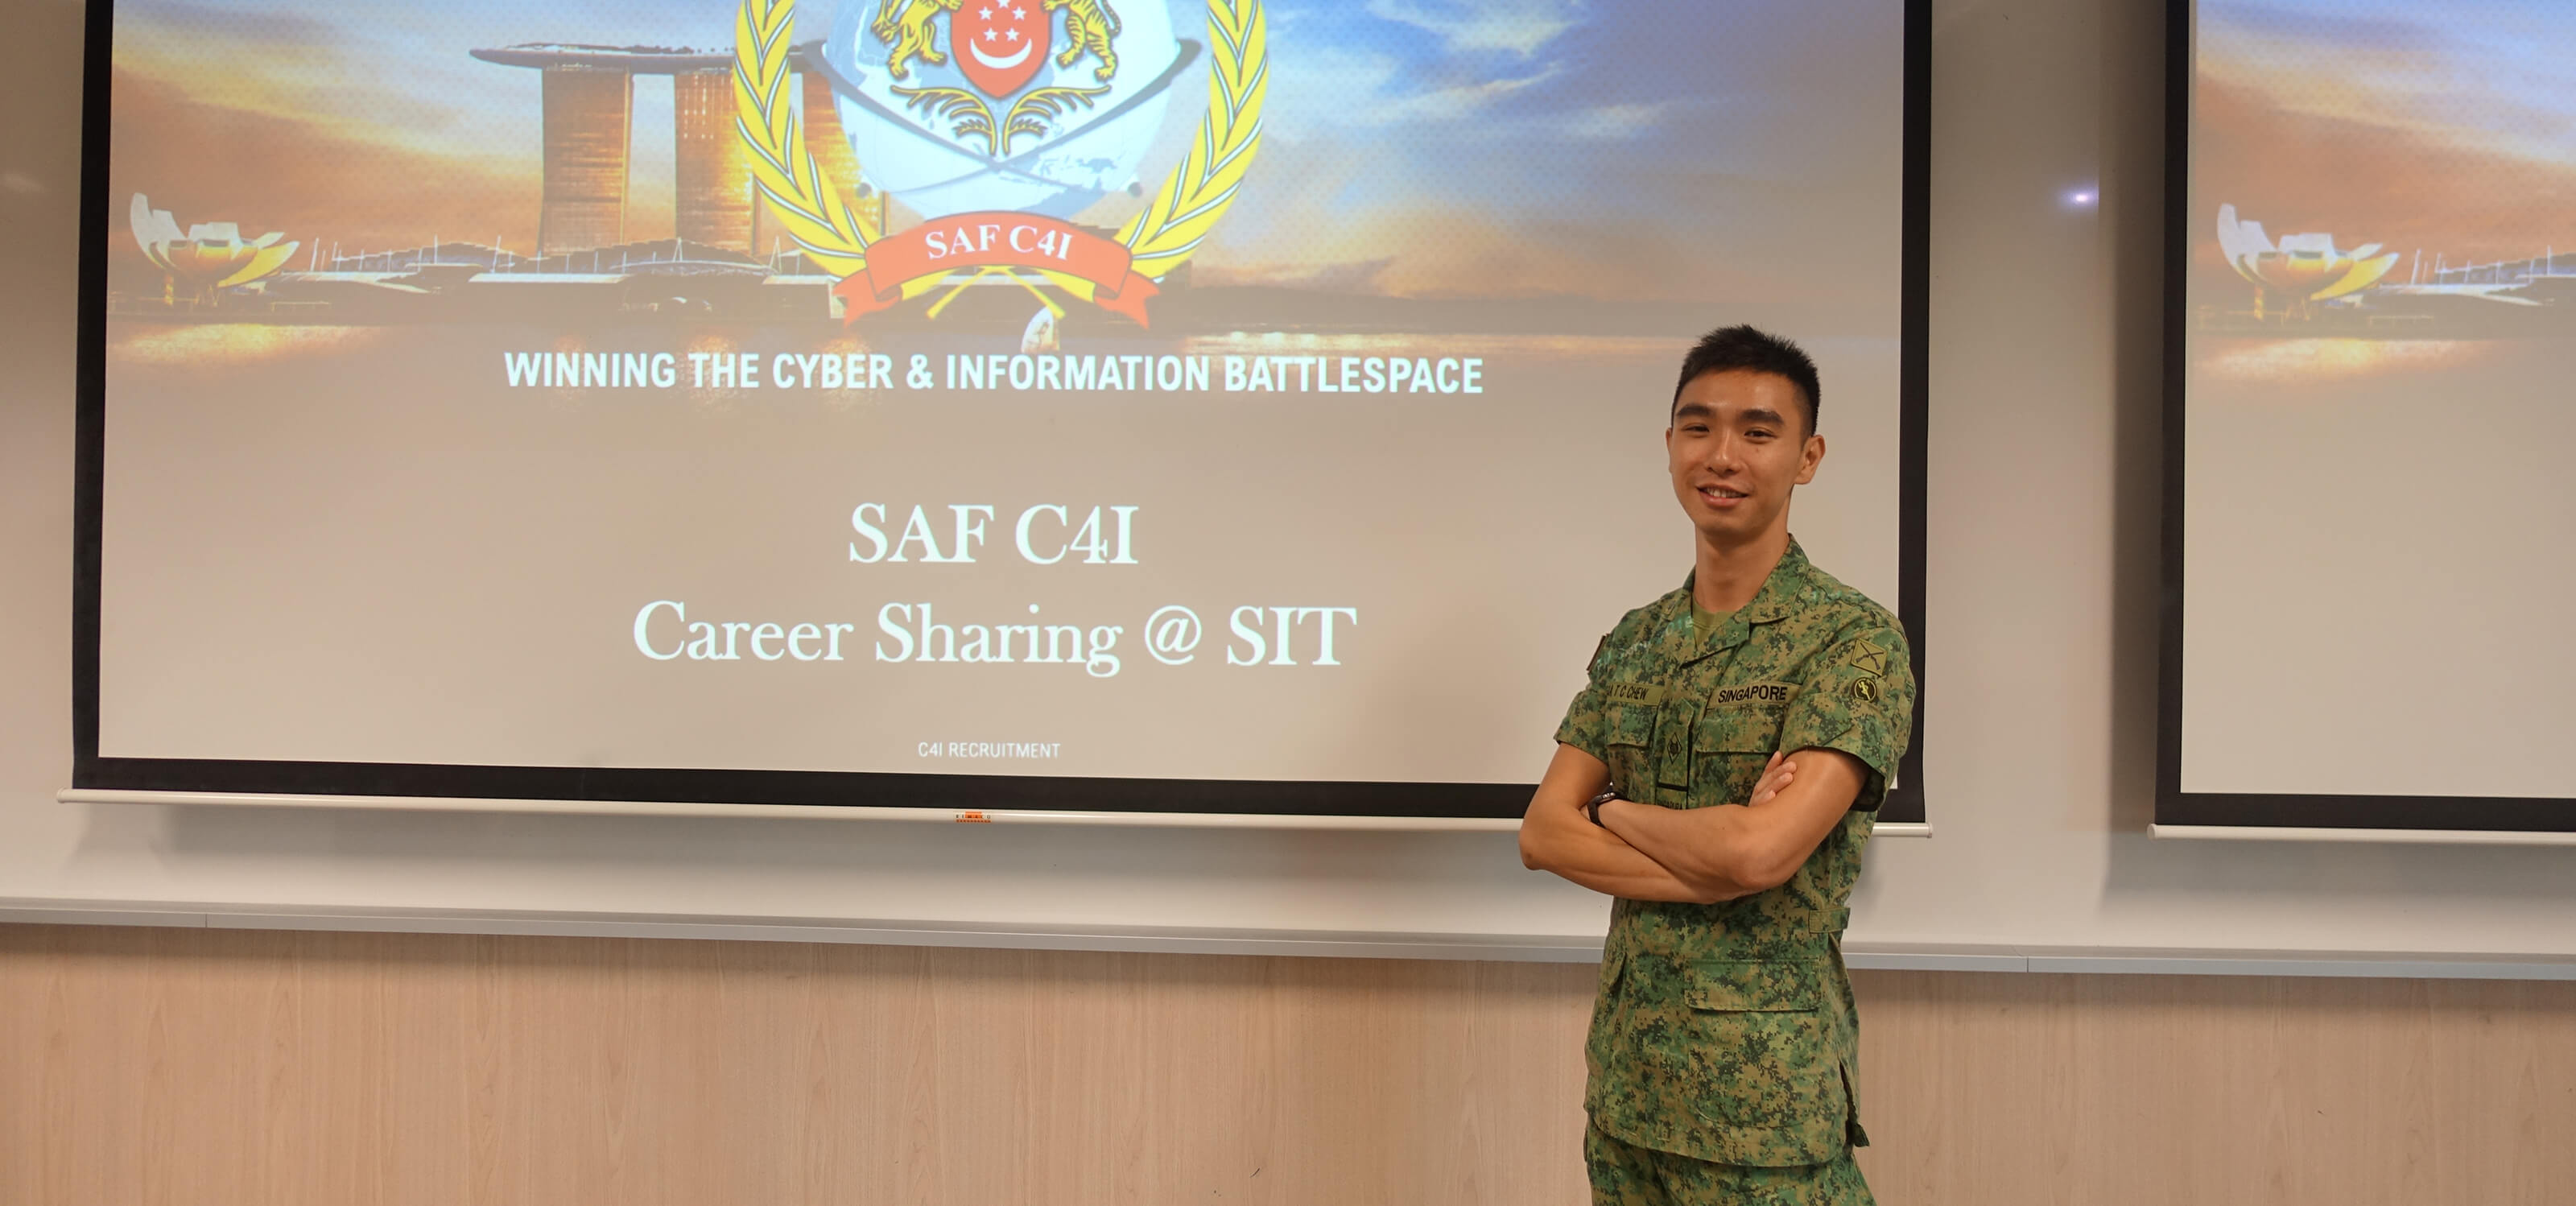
<point x="1744" y="347"/>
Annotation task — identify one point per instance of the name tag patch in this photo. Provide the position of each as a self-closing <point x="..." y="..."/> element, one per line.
<point x="1637" y="694"/>
<point x="1753" y="693"/>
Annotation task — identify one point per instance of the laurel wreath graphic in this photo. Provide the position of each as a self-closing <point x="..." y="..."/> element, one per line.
<point x="832" y="235"/>
<point x="1160" y="238"/>
<point x="1198" y="191"/>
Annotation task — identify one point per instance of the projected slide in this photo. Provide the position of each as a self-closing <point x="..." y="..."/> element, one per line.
<point x="2379" y="315"/>
<point x="1052" y="392"/>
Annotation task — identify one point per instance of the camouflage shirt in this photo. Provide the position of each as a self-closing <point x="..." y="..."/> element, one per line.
<point x="1727" y="1032"/>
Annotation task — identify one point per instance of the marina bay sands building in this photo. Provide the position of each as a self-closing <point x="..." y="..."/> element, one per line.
<point x="589" y="128"/>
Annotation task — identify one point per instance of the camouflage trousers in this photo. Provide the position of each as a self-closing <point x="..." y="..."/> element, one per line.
<point x="1624" y="1174"/>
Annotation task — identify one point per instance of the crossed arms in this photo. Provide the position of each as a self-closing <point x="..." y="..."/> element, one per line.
<point x="1701" y="855"/>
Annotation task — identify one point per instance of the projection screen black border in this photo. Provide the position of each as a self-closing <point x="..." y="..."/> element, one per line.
<point x="821" y="788"/>
<point x="2174" y="806"/>
<point x="1904" y="803"/>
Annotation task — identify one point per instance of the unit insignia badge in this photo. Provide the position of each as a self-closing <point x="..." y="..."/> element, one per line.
<point x="1868" y="658"/>
<point x="998" y="121"/>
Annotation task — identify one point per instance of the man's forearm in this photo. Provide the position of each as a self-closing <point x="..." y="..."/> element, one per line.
<point x="1738" y="849"/>
<point x="1563" y="841"/>
<point x="1693" y="845"/>
<point x="1631" y="874"/>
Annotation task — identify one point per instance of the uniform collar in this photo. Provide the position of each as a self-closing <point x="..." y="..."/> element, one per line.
<point x="1783" y="593"/>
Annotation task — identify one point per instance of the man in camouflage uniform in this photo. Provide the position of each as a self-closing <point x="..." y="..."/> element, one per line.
<point x="1719" y="774"/>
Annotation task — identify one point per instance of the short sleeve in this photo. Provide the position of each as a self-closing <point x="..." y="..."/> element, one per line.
<point x="1858" y="697"/>
<point x="1583" y="723"/>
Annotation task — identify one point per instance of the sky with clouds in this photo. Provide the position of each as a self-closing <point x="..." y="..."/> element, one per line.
<point x="1462" y="147"/>
<point x="2498" y="74"/>
<point x="2439" y="126"/>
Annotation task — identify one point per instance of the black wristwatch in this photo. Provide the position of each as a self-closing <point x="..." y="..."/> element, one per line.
<point x="1593" y="809"/>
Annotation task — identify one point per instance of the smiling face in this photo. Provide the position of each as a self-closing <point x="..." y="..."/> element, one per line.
<point x="1739" y="442"/>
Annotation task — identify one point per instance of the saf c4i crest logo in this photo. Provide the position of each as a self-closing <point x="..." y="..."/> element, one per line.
<point x="997" y="121"/>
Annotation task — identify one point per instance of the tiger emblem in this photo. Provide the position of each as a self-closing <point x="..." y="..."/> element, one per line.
<point x="1089" y="25"/>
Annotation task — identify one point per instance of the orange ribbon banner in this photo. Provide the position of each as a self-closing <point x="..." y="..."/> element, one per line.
<point x="994" y="240"/>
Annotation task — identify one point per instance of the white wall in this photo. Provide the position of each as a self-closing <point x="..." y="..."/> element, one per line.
<point x="2040" y="687"/>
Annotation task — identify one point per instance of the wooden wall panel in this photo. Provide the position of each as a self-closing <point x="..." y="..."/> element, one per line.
<point x="215" y="1068"/>
<point x="2174" y="1089"/>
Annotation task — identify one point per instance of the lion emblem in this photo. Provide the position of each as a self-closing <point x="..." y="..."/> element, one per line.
<point x="905" y="25"/>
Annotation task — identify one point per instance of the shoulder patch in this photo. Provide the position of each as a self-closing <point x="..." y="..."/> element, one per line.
<point x="1867" y="658"/>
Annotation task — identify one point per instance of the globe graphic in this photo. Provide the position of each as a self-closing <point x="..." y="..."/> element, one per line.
<point x="1088" y="152"/>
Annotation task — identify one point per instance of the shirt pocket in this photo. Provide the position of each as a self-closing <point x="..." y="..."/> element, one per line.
<point x="1729" y="746"/>
<point x="1758" y="1044"/>
<point x="1626" y="731"/>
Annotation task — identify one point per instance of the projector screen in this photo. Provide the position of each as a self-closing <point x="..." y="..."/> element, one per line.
<point x="2371" y="527"/>
<point x="1082" y="404"/>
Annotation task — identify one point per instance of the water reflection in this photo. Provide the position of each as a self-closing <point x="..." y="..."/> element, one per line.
<point x="233" y="343"/>
<point x="2320" y="361"/>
